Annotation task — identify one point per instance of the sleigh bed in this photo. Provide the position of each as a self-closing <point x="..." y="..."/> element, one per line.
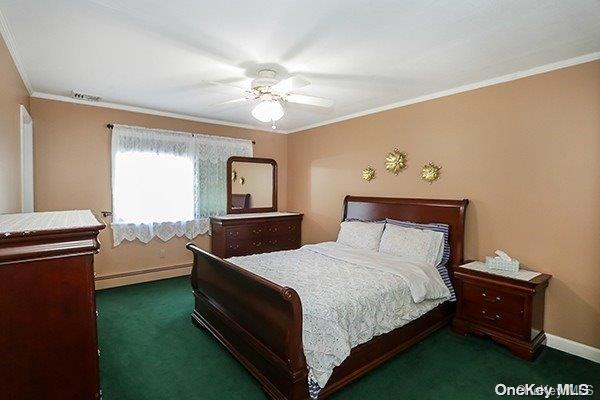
<point x="260" y="322"/>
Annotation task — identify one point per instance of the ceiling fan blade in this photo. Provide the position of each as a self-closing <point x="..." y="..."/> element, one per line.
<point x="226" y="85"/>
<point x="310" y="100"/>
<point x="290" y="84"/>
<point x="226" y="103"/>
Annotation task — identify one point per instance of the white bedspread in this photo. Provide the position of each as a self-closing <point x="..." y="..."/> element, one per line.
<point x="348" y="296"/>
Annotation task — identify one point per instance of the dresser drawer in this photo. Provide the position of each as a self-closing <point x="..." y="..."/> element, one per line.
<point x="262" y="230"/>
<point x="275" y="229"/>
<point x="283" y="243"/>
<point x="255" y="235"/>
<point x="236" y="233"/>
<point x="249" y="246"/>
<point x="291" y="228"/>
<point x="234" y="248"/>
<point x="261" y="245"/>
<point x="483" y="314"/>
<point x="493" y="298"/>
<point x="259" y="231"/>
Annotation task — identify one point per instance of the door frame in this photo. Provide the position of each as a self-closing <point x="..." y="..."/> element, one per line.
<point x="26" y="128"/>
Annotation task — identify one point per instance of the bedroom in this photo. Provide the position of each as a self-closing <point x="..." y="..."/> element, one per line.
<point x="480" y="116"/>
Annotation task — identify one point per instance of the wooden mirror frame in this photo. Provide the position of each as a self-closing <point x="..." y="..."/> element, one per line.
<point x="257" y="160"/>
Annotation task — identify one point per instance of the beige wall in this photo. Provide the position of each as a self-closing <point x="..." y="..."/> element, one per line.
<point x="72" y="171"/>
<point x="13" y="95"/>
<point x="527" y="155"/>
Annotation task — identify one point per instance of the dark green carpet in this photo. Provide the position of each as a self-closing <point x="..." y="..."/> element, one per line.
<point x="151" y="350"/>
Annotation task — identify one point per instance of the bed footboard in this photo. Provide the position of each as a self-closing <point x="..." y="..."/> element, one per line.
<point x="258" y="321"/>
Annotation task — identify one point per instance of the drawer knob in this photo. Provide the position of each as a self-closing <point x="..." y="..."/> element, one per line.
<point x="491" y="318"/>
<point x="489" y="299"/>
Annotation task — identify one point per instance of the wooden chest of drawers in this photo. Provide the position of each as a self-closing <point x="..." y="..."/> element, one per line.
<point x="510" y="311"/>
<point x="48" y="342"/>
<point x="260" y="233"/>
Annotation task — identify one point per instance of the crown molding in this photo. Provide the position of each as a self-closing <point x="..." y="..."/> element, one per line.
<point x="9" y="39"/>
<point x="460" y="89"/>
<point x="142" y="110"/>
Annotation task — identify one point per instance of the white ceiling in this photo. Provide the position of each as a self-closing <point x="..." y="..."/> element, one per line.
<point x="157" y="54"/>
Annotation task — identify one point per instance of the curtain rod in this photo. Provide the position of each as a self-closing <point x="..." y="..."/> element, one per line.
<point x="110" y="126"/>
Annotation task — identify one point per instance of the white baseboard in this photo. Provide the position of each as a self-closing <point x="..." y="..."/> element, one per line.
<point x="572" y="347"/>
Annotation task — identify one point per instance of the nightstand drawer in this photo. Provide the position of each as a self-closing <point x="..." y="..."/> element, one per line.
<point x="482" y="314"/>
<point x="493" y="299"/>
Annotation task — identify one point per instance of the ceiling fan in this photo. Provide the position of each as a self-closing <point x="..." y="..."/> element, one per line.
<point x="272" y="93"/>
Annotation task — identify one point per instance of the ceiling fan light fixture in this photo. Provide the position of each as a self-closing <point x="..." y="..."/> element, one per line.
<point x="268" y="111"/>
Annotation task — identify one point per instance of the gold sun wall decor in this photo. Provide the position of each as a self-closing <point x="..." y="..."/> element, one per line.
<point x="430" y="172"/>
<point x="395" y="161"/>
<point x="241" y="180"/>
<point x="233" y="175"/>
<point x="368" y="173"/>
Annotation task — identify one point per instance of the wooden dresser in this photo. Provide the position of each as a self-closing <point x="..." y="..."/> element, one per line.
<point x="48" y="340"/>
<point x="510" y="311"/>
<point x="243" y="234"/>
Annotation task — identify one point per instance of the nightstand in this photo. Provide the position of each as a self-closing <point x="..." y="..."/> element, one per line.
<point x="510" y="311"/>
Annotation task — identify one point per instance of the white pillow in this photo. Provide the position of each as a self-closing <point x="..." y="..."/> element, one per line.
<point x="361" y="235"/>
<point x="420" y="245"/>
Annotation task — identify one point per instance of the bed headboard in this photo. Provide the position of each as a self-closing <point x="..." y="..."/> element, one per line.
<point x="451" y="212"/>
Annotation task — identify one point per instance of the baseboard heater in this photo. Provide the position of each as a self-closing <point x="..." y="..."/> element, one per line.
<point x="142" y="272"/>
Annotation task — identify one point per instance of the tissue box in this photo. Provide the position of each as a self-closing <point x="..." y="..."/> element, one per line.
<point x="498" y="263"/>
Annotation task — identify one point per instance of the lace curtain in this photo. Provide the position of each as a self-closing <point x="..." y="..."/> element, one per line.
<point x="167" y="183"/>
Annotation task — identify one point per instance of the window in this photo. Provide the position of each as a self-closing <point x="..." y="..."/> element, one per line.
<point x="150" y="187"/>
<point x="166" y="183"/>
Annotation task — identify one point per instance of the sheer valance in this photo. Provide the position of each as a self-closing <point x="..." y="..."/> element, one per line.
<point x="216" y="149"/>
<point x="168" y="183"/>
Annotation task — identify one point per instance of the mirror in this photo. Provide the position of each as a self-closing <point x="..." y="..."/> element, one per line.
<point x="252" y="185"/>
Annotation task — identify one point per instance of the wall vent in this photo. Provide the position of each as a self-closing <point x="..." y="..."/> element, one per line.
<point x="83" y="96"/>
